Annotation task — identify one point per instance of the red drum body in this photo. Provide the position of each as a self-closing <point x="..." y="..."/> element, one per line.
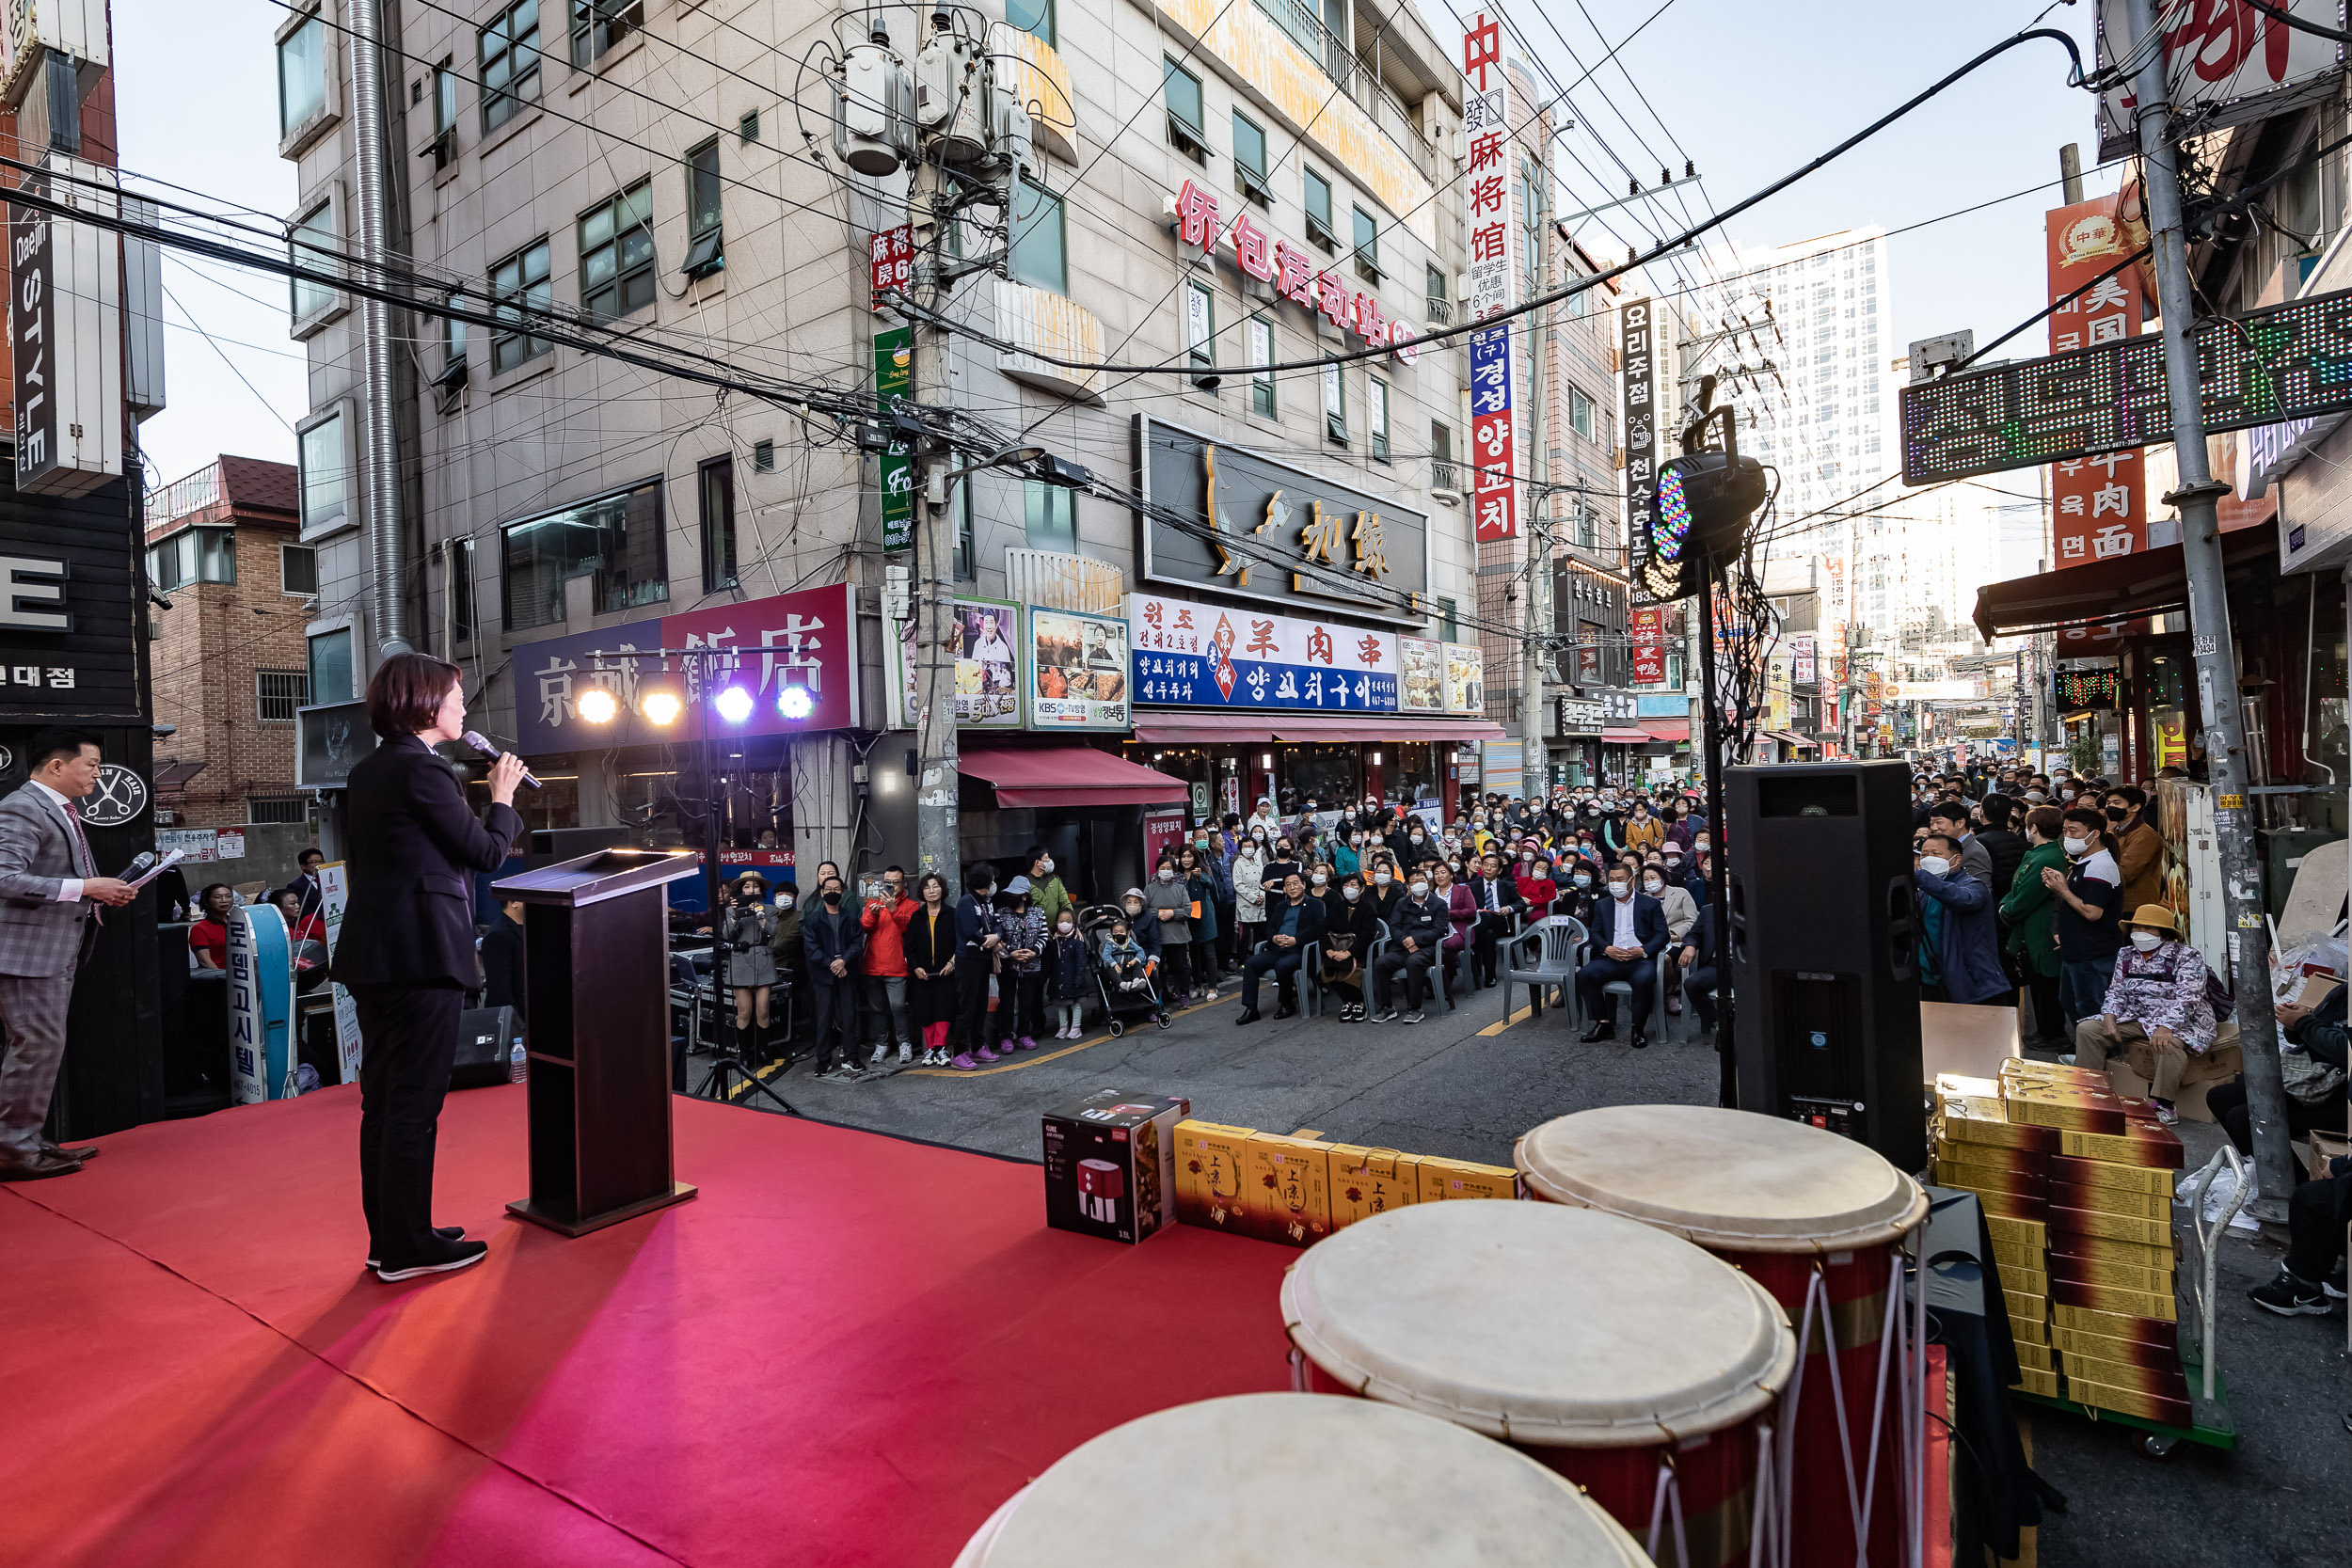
<point x="1635" y="1365"/>
<point x="1817" y="1222"/>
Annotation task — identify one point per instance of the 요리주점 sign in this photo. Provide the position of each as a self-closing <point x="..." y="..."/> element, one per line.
<point x="1189" y="654"/>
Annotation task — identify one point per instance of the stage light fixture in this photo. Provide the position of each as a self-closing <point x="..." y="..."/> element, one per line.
<point x="795" y="703"/>
<point x="597" y="705"/>
<point x="661" y="707"/>
<point x="733" y="704"/>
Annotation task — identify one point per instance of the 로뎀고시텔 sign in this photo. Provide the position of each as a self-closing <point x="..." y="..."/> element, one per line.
<point x="1225" y="520"/>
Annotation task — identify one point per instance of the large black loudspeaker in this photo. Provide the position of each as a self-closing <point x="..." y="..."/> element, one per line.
<point x="1824" y="938"/>
<point x="484" y="1038"/>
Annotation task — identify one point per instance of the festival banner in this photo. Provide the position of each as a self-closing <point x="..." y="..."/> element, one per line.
<point x="1192" y="655"/>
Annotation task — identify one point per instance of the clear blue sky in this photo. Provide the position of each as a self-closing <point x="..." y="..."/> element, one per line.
<point x="1750" y="91"/>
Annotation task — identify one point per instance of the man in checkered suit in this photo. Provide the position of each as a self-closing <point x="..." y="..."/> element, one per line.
<point x="49" y="891"/>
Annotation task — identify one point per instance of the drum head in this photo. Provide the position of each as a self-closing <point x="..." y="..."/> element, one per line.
<point x="1540" y="1323"/>
<point x="1731" y="1181"/>
<point x="1301" y="1480"/>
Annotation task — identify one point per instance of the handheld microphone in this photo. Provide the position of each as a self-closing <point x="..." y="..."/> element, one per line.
<point x="137" y="867"/>
<point x="474" y="738"/>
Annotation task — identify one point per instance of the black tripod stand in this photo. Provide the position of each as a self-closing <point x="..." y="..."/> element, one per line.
<point x="727" y="1065"/>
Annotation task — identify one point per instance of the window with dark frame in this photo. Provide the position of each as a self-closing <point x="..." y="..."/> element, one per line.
<point x="297" y="570"/>
<point x="598" y="24"/>
<point x="444" y="147"/>
<point x="510" y="63"/>
<point x="1188" y="131"/>
<point x="285" y="810"/>
<point x="1201" y="335"/>
<point x="520" y="280"/>
<point x="313" y="247"/>
<point x="1441" y="472"/>
<point x="1367" y="246"/>
<point x="1317" y="199"/>
<point x="715" y="499"/>
<point x="1049" y="515"/>
<point x="458" y="555"/>
<point x="706" y="248"/>
<point x="1250" y="177"/>
<point x="1377" y="416"/>
<point x="277" y="693"/>
<point x="1039" y="252"/>
<point x="1334" y="406"/>
<point x="1260" y="355"/>
<point x="615" y="541"/>
<point x="192" y="556"/>
<point x="617" y="254"/>
<point x="330" y="665"/>
<point x="967" y="551"/>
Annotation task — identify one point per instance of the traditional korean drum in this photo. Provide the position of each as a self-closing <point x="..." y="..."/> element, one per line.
<point x="1818" y="1221"/>
<point x="1634" y="1364"/>
<point x="1303" y="1482"/>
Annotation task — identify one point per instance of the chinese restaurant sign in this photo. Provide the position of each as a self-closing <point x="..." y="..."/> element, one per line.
<point x="1292" y="269"/>
<point x="807" y="638"/>
<point x="1248" y="526"/>
<point x="2263" y="367"/>
<point x="1190" y="655"/>
<point x="1492" y="232"/>
<point x="2098" y="506"/>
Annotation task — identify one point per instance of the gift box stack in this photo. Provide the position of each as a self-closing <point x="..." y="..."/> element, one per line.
<point x="2007" y="1166"/>
<point x="1298" y="1189"/>
<point x="2079" y="1202"/>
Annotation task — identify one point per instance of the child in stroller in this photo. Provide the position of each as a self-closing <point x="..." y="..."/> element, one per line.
<point x="1123" y="971"/>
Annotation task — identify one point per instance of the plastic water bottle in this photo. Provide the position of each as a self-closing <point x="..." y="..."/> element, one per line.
<point x="518" y="1063"/>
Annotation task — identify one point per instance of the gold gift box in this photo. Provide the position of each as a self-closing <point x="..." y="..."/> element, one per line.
<point x="2033" y="1380"/>
<point x="2107" y="1173"/>
<point x="2032" y="1233"/>
<point x="2075" y="1342"/>
<point x="2113" y="1200"/>
<point x="2113" y="1298"/>
<point x="2147" y="1405"/>
<point x="2029" y="1331"/>
<point x="1289" y="1192"/>
<point x="2119" y="1325"/>
<point x="2040" y="1357"/>
<point x="1977" y="1119"/>
<point x="1368" y="1182"/>
<point x="2105" y="1270"/>
<point x="2121" y="1228"/>
<point x="2141" y="1145"/>
<point x="1212" y="1174"/>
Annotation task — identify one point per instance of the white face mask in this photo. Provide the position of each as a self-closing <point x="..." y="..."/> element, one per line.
<point x="1353" y="892"/>
<point x="2077" y="845"/>
<point x="1317" y="880"/>
<point x="1653" y="883"/>
<point x="1382" y="878"/>
<point x="1582" y="879"/>
<point x="1420" y="838"/>
<point x="1620" y="890"/>
<point x="1934" y="865"/>
<point x="1421" y="890"/>
<point x="2066" y="793"/>
<point x="1168" y="874"/>
<point x="1527" y="855"/>
<point x="1064" y="927"/>
<point x="2146" y="942"/>
<point x="1045" y="868"/>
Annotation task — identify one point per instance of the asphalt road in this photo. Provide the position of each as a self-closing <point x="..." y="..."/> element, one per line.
<point x="1466" y="1082"/>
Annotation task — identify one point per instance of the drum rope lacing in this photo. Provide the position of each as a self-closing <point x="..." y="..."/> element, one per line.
<point x="1900" y="1338"/>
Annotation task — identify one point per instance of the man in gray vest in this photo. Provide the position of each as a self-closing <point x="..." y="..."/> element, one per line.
<point x="49" y="890"/>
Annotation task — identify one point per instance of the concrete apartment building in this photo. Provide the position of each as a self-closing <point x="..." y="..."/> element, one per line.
<point x="649" y="165"/>
<point x="229" y="661"/>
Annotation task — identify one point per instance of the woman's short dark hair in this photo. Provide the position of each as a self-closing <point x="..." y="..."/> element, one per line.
<point x="2048" y="821"/>
<point x="406" y="692"/>
<point x="204" y="897"/>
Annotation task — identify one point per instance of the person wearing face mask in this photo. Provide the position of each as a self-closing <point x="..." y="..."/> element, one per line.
<point x="833" y="940"/>
<point x="1248" y="897"/>
<point x="1461" y="914"/>
<point x="1144" y="931"/>
<point x="1959" y="946"/>
<point x="1418" y="926"/>
<point x="1630" y="931"/>
<point x="979" y="944"/>
<point x="1950" y="818"/>
<point x="1346" y="857"/>
<point x="2029" y="914"/>
<point x="2157" y="1008"/>
<point x="1066" y="976"/>
<point x="2138" y="847"/>
<point x="1191" y="874"/>
<point x="1348" y="929"/>
<point x="1538" y="894"/>
<point x="1020" y="988"/>
<point x="1047" y="894"/>
<point x="745" y="930"/>
<point x="1266" y="819"/>
<point x="1682" y="913"/>
<point x="1499" y="906"/>
<point x="1283" y="865"/>
<point x="885" y="923"/>
<point x="1644" y="833"/>
<point x="2088" y="893"/>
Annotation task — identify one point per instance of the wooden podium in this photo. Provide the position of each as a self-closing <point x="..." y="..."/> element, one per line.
<point x="596" y="937"/>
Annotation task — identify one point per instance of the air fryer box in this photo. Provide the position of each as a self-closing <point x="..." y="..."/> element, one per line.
<point x="1110" y="1162"/>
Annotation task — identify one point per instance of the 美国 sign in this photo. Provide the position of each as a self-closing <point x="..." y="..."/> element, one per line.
<point x="2263" y="367"/>
<point x="1246" y="525"/>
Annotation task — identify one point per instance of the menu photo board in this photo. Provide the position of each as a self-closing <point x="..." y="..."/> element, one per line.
<point x="1078" y="674"/>
<point x="985" y="636"/>
<point x="1421" y="675"/>
<point x="1465" y="678"/>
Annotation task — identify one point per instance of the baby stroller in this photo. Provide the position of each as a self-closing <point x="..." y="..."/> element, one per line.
<point x="1120" y="1006"/>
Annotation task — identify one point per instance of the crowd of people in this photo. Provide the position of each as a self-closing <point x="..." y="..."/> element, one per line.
<point x="1392" y="909"/>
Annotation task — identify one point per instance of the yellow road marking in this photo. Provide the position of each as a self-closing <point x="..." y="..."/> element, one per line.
<point x="1523" y="1015"/>
<point x="763" y="1074"/>
<point x="1040" y="1060"/>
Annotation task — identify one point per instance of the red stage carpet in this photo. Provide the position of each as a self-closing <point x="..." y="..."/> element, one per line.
<point x="848" y="1350"/>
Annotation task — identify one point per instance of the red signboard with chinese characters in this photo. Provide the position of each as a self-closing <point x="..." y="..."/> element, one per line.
<point x="2098" y="506"/>
<point x="893" y="262"/>
<point x="1292" y="269"/>
<point x="1649" y="648"/>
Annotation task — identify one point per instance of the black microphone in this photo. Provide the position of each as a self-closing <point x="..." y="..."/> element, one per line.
<point x="137" y="867"/>
<point x="474" y="738"/>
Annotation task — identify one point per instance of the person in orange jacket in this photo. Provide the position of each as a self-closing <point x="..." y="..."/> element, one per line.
<point x="885" y="963"/>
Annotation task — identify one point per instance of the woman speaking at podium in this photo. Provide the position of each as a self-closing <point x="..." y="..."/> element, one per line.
<point x="407" y="952"/>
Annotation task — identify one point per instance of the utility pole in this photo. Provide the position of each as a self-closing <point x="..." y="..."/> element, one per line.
<point x="2071" y="173"/>
<point x="932" y="576"/>
<point x="2212" y="645"/>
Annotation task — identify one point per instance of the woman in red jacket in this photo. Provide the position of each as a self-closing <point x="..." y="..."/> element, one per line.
<point x="1532" y="869"/>
<point x="885" y="922"/>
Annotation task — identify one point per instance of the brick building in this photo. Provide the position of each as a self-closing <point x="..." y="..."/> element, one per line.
<point x="229" y="655"/>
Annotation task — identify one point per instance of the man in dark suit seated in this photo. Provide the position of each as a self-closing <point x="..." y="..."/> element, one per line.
<point x="1630" y="931"/>
<point x="1417" y="931"/>
<point x="1500" y="908"/>
<point x="1292" y="922"/>
<point x="1698" y="966"/>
